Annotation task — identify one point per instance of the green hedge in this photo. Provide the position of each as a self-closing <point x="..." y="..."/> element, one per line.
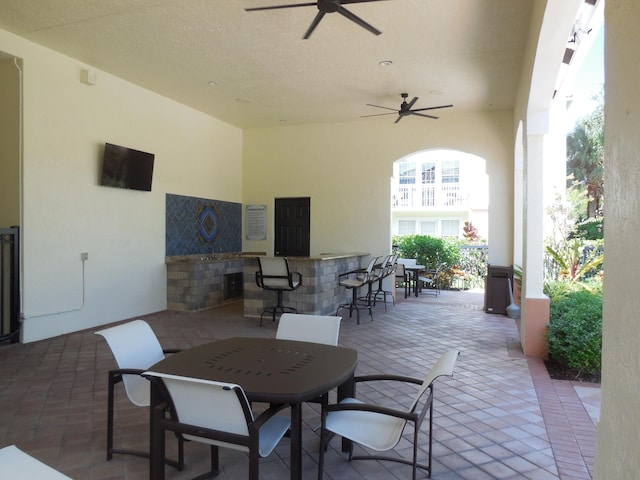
<point x="574" y="333"/>
<point x="432" y="252"/>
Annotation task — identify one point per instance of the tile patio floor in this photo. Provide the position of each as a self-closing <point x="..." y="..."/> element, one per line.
<point x="499" y="417"/>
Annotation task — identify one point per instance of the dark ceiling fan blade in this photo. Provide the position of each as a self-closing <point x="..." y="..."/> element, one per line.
<point x="431" y="108"/>
<point x="379" y="114"/>
<point x="346" y="2"/>
<point x="380" y="106"/>
<point x="313" y="25"/>
<point x="399" y="118"/>
<point x="412" y="103"/>
<point x="413" y="112"/>
<point x="357" y="20"/>
<point x="277" y="7"/>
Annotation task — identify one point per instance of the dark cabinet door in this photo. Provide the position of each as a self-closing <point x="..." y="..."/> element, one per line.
<point x="292" y="227"/>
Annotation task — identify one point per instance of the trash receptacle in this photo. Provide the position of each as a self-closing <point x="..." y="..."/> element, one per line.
<point x="496" y="290"/>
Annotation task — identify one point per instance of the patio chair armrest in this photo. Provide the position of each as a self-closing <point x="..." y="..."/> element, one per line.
<point x="159" y="413"/>
<point x="267" y="414"/>
<point x="126" y="371"/>
<point x="387" y="377"/>
<point x="361" y="275"/>
<point x="171" y="350"/>
<point x="295" y="277"/>
<point x="366" y="407"/>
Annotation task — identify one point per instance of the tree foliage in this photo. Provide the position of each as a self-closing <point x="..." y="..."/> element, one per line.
<point x="585" y="158"/>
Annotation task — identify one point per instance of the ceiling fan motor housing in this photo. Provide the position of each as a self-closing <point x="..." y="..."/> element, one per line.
<point x="328" y="6"/>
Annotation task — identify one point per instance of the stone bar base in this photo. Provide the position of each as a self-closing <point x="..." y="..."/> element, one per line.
<point x="320" y="293"/>
<point x="196" y="282"/>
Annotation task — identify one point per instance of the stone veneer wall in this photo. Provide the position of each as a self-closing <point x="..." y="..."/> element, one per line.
<point x="320" y="293"/>
<point x="197" y="283"/>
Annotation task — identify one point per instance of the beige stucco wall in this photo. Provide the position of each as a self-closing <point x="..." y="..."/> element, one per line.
<point x="65" y="211"/>
<point x="618" y="436"/>
<point x="9" y="143"/>
<point x="346" y="168"/>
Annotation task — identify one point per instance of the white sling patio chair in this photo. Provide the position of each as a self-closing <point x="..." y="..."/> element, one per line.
<point x="309" y="328"/>
<point x="218" y="414"/>
<point x="18" y="465"/>
<point x="380" y="428"/>
<point x="135" y="348"/>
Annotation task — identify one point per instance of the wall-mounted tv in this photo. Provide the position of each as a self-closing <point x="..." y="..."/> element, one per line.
<point x="124" y="167"/>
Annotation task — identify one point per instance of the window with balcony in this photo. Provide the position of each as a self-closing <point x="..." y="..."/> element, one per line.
<point x="407" y="173"/>
<point x="450" y="171"/>
<point x="428" y="197"/>
<point x="428" y="173"/>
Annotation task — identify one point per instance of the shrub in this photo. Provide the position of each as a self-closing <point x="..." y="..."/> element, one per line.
<point x="574" y="332"/>
<point x="429" y="251"/>
<point x="432" y="252"/>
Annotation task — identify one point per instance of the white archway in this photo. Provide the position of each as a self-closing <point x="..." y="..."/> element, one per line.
<point x="434" y="192"/>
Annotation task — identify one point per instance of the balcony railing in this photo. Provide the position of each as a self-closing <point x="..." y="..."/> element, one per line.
<point x="423" y="196"/>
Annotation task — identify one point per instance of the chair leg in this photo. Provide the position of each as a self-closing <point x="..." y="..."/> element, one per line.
<point x="324" y="443"/>
<point x="254" y="464"/>
<point x="354" y="305"/>
<point x="215" y="462"/>
<point x="113" y="379"/>
<point x="180" y="454"/>
<point x="280" y="307"/>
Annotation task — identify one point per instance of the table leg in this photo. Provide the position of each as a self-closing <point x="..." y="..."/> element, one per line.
<point x="346" y="390"/>
<point x="296" y="441"/>
<point x="156" y="447"/>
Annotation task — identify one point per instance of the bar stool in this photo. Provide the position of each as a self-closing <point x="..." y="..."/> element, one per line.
<point x="388" y="268"/>
<point x="354" y="280"/>
<point x="274" y="275"/>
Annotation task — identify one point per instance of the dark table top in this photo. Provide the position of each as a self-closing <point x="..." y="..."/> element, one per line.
<point x="268" y="369"/>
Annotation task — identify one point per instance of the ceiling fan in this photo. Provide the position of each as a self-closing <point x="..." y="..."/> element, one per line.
<point x="405" y="109"/>
<point x="326" y="6"/>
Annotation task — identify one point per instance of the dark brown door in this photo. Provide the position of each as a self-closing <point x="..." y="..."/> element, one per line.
<point x="292" y="227"/>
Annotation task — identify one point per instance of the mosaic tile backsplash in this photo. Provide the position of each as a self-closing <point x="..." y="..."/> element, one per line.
<point x="196" y="226"/>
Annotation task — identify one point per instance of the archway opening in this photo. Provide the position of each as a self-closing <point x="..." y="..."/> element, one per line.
<point x="437" y="192"/>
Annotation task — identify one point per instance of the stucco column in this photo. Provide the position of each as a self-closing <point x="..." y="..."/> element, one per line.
<point x="535" y="304"/>
<point x="618" y="432"/>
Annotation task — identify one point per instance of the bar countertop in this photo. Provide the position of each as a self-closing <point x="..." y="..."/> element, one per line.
<point x="222" y="257"/>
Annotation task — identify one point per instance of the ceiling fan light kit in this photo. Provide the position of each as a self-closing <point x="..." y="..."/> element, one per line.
<point x="324" y="7"/>
<point x="407" y="109"/>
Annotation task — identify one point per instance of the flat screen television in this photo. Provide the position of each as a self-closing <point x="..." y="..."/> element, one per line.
<point x="124" y="167"/>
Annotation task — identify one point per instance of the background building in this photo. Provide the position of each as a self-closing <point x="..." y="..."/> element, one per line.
<point x="435" y="192"/>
